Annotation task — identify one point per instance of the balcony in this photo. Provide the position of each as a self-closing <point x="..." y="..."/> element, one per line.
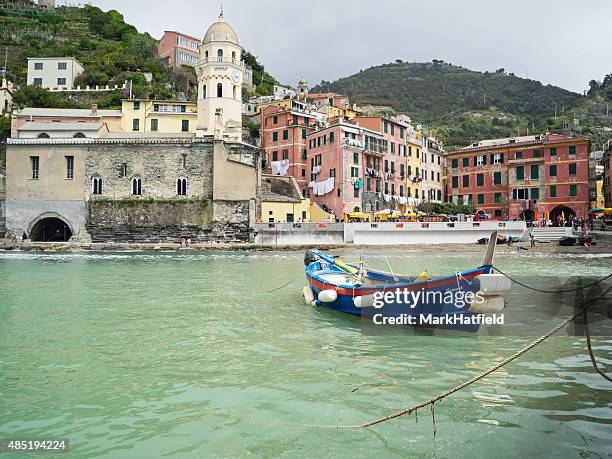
<point x="221" y="60"/>
<point x="348" y="142"/>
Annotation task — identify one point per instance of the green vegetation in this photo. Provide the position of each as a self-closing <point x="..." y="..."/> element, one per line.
<point x="262" y="80"/>
<point x="447" y="208"/>
<point x="111" y="51"/>
<point x="133" y="202"/>
<point x="461" y="106"/>
<point x="601" y="89"/>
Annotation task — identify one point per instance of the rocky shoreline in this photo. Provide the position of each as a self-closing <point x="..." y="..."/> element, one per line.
<point x="603" y="246"/>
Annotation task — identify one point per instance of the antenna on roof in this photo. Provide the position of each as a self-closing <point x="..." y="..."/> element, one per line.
<point x="221" y="14"/>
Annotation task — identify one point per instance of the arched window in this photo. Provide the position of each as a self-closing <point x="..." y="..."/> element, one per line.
<point x="79" y="135"/>
<point x="233" y="56"/>
<point x="204" y="91"/>
<point x="220" y="54"/>
<point x="219" y="90"/>
<point x="96" y="185"/>
<point x="181" y="186"/>
<point x="206" y="55"/>
<point x="234" y="92"/>
<point x="136" y="186"/>
<point x="43" y="135"/>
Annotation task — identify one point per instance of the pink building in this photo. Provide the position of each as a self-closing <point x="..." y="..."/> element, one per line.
<point x="394" y="161"/>
<point x="336" y="162"/>
<point x="179" y="49"/>
<point x="522" y="178"/>
<point x="329" y="98"/>
<point x="44" y="123"/>
<point x="283" y="137"/>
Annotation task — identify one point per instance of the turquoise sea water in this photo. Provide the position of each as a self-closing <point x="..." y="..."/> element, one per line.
<point x="185" y="355"/>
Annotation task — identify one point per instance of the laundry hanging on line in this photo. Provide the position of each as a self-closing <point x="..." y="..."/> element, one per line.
<point x="280" y="167"/>
<point x="321" y="188"/>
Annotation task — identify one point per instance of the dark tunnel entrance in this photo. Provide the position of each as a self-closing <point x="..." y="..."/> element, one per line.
<point x="50" y="229"/>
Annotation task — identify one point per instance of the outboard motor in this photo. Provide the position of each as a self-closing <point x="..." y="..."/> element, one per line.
<point x="310" y="257"/>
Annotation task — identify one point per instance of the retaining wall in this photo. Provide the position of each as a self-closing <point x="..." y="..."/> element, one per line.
<point x="383" y="233"/>
<point x="299" y="233"/>
<point x="387" y="233"/>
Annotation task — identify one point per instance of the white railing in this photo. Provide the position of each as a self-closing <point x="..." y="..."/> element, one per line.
<point x="222" y="60"/>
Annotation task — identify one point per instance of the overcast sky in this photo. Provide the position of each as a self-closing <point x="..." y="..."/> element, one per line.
<point x="564" y="43"/>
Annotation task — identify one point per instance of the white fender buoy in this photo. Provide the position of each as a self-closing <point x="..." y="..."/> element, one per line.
<point x="328" y="296"/>
<point x="365" y="301"/>
<point x="490" y="305"/>
<point x="308" y="295"/>
<point x="493" y="284"/>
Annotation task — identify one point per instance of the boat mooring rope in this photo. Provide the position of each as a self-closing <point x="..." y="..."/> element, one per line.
<point x="582" y="287"/>
<point x="591" y="355"/>
<point x="300" y="274"/>
<point x="431" y="402"/>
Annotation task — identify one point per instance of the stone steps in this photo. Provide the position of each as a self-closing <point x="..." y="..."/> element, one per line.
<point x="551" y="233"/>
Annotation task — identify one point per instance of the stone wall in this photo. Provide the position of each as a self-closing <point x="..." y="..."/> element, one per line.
<point x="219" y="208"/>
<point x="2" y="217"/>
<point x="164" y="220"/>
<point x="2" y="195"/>
<point x="157" y="165"/>
<point x="149" y="220"/>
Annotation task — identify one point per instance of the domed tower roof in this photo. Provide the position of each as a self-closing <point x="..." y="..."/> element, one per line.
<point x="221" y="31"/>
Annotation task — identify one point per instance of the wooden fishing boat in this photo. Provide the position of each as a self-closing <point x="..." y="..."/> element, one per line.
<point x="357" y="289"/>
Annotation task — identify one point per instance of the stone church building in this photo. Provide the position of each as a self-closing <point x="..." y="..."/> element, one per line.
<point x="145" y="187"/>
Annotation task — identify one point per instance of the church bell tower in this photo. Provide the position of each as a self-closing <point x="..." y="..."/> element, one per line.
<point x="220" y="71"/>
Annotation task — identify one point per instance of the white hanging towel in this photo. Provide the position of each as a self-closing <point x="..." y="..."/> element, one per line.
<point x="276" y="167"/>
<point x="284" y="167"/>
<point x="316" y="169"/>
<point x="321" y="188"/>
<point x="329" y="185"/>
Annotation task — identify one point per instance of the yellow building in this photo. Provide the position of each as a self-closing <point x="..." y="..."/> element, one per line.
<point x="282" y="202"/>
<point x="277" y="208"/>
<point x="163" y="116"/>
<point x="414" y="163"/>
<point x="601" y="200"/>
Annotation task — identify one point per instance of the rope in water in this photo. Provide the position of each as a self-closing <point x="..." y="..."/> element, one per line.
<point x="591" y="355"/>
<point x="300" y="274"/>
<point x="431" y="402"/>
<point x="603" y="279"/>
<point x="476" y="378"/>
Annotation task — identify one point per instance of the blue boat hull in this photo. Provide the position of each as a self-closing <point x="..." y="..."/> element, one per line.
<point x="435" y="288"/>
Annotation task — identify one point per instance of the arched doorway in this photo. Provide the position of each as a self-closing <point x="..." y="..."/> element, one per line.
<point x="561" y="212"/>
<point x="50" y="229"/>
<point x="527" y="215"/>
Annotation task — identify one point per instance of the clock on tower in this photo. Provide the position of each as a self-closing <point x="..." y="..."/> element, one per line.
<point x="220" y="70"/>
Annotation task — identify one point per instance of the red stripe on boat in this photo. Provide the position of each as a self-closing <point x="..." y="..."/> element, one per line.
<point x="367" y="291"/>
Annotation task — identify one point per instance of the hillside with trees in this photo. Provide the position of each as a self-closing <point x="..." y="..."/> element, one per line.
<point x="111" y="50"/>
<point x="461" y="106"/>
